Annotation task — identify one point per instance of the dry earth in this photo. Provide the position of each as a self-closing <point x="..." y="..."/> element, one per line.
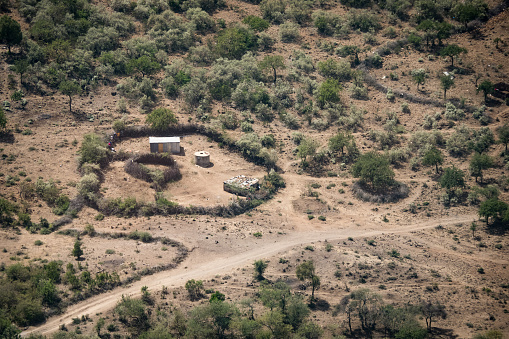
<point x="222" y="250"/>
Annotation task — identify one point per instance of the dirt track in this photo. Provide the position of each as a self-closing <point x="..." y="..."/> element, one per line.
<point x="202" y="265"/>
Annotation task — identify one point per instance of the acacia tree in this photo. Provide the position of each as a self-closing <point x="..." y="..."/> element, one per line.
<point x="453" y="177"/>
<point x="20" y="67"/>
<point x="273" y="62"/>
<point x="503" y="134"/>
<point x="433" y="156"/>
<point x="338" y="142"/>
<point x="307" y="147"/>
<point x="466" y="11"/>
<point x="432" y="311"/>
<point x="452" y="51"/>
<point x="145" y="64"/>
<point x="306" y="271"/>
<point x="478" y="163"/>
<point x="373" y="170"/>
<point x="69" y="88"/>
<point x="10" y="32"/>
<point x="368" y="306"/>
<point x="195" y="289"/>
<point x="446" y="82"/>
<point x="259" y="267"/>
<point x="419" y="76"/>
<point x="429" y="27"/>
<point x="494" y="208"/>
<point x="131" y="312"/>
<point x="486" y="87"/>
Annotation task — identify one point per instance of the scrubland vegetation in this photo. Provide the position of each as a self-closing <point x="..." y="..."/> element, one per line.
<point x="390" y="95"/>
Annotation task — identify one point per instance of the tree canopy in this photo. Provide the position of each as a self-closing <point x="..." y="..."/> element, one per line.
<point x="495" y="209"/>
<point x="478" y="164"/>
<point x="273" y="62"/>
<point x="161" y="118"/>
<point x="452" y="51"/>
<point x="69" y="88"/>
<point x="373" y="170"/>
<point x="306" y="271"/>
<point x="486" y="87"/>
<point x="10" y="31"/>
<point x="453" y="177"/>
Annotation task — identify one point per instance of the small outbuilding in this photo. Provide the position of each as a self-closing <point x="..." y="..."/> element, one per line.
<point x="202" y="158"/>
<point x="164" y="145"/>
<point x="241" y="185"/>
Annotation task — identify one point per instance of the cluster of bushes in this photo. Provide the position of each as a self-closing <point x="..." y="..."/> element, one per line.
<point x="283" y="313"/>
<point x="84" y="285"/>
<point x="29" y="294"/>
<point x="328" y="23"/>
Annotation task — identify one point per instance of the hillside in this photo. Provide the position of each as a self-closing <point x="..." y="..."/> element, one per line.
<point x="378" y="130"/>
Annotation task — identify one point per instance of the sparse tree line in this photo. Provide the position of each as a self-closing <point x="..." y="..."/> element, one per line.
<point x="275" y="310"/>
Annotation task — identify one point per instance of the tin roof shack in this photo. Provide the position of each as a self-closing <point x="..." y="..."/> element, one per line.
<point x="164" y="145"/>
<point x="241" y="185"/>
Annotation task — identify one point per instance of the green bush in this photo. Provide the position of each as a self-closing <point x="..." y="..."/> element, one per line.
<point x="161" y="118"/>
<point x="273" y="10"/>
<point x="47" y="191"/>
<point x="373" y="170"/>
<point x="256" y="23"/>
<point x="328" y="92"/>
<point x="93" y="150"/>
<point x="332" y="69"/>
<point x="62" y="204"/>
<point x="234" y="42"/>
<point x="289" y="32"/>
<point x="363" y="20"/>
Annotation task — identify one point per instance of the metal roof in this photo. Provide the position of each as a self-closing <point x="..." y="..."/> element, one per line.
<point x="158" y="140"/>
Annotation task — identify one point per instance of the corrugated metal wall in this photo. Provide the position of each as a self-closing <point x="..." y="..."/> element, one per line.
<point x="173" y="147"/>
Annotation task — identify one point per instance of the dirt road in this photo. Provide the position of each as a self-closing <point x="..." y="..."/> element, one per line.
<point x="201" y="265"/>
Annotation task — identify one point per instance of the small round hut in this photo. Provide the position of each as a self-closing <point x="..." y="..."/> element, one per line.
<point x="202" y="158"/>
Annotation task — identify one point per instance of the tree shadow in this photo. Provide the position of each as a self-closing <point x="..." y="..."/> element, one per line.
<point x="437" y="332"/>
<point x="7" y="137"/>
<point x="319" y="305"/>
<point x="498" y="227"/>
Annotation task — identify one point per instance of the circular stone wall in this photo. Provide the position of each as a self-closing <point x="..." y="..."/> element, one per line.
<point x="202" y="158"/>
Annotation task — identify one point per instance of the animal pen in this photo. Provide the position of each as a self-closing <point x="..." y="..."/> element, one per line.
<point x="241" y="185"/>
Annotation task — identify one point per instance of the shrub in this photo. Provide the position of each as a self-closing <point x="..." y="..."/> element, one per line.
<point x="289" y="32"/>
<point x="203" y="22"/>
<point x="458" y="142"/>
<point x="328" y="92"/>
<point x="332" y="69"/>
<point x="93" y="150"/>
<point x="161" y="118"/>
<point x="47" y="191"/>
<point x="256" y="23"/>
<point x="234" y="42"/>
<point x="273" y="10"/>
<point x="326" y="23"/>
<point x="363" y="20"/>
<point x="88" y="185"/>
